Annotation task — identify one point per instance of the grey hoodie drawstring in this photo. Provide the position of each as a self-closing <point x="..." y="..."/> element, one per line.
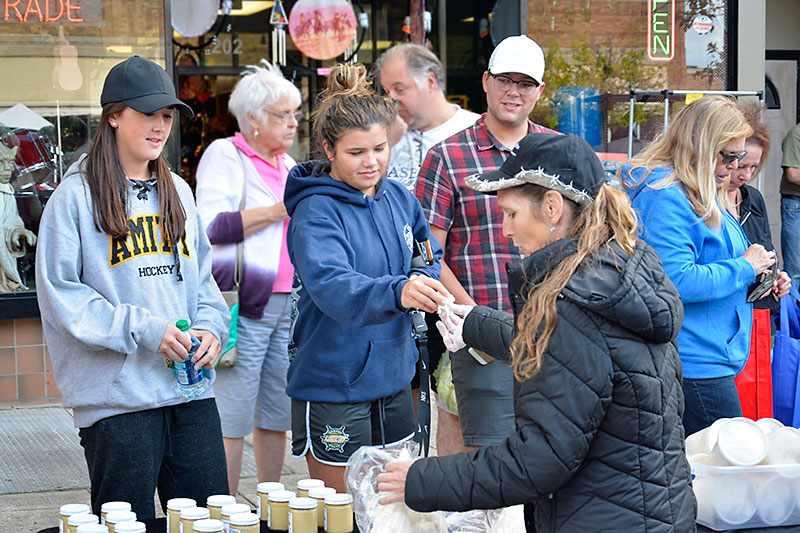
<point x="142" y="188"/>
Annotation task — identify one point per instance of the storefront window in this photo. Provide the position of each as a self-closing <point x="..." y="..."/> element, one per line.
<point x="55" y="55"/>
<point x="605" y="48"/>
<point x="208" y="65"/>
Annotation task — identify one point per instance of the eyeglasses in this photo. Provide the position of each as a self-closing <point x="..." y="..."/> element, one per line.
<point x="285" y="117"/>
<point x="728" y="158"/>
<point x="504" y="83"/>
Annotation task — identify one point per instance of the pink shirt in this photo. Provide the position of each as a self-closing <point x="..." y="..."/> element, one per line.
<point x="275" y="178"/>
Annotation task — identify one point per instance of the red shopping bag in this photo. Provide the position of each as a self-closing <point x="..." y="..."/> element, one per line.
<point x="754" y="382"/>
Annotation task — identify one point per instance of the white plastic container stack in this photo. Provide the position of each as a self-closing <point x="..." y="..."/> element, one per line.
<point x="746" y="474"/>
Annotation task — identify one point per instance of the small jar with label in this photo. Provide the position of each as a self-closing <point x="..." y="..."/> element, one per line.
<point x="130" y="527"/>
<point x="214" y="504"/>
<point x="92" y="528"/>
<point x="174" y="508"/>
<point x="65" y="511"/>
<point x="209" y="525"/>
<point x="80" y="519"/>
<point x="338" y="513"/>
<point x="262" y="491"/>
<point x="231" y="509"/>
<point x="115" y="517"/>
<point x="190" y="515"/>
<point x="112" y="506"/>
<point x="278" y="509"/>
<point x="244" y="523"/>
<point x="319" y="494"/>
<point x="304" y="485"/>
<point x="303" y="515"/>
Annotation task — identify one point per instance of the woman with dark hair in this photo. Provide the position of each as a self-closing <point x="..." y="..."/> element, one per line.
<point x="745" y="202"/>
<point x="122" y="256"/>
<point x="598" y="400"/>
<point x="351" y="241"/>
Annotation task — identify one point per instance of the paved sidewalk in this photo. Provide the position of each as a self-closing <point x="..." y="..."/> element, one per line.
<point x="42" y="467"/>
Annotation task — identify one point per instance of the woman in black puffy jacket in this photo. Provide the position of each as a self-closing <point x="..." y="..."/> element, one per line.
<point x="599" y="443"/>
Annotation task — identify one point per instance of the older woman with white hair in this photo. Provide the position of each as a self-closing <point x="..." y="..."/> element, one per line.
<point x="251" y="396"/>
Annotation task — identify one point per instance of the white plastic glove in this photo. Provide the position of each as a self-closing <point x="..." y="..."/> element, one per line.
<point x="451" y="325"/>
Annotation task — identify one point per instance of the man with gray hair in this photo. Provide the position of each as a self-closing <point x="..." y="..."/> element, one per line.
<point x="414" y="78"/>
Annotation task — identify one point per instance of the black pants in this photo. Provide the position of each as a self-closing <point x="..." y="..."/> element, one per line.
<point x="177" y="450"/>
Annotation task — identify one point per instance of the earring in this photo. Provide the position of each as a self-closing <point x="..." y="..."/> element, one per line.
<point x="113" y="124"/>
<point x="552" y="229"/>
<point x="255" y="135"/>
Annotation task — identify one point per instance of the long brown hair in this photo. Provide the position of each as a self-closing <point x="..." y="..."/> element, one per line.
<point x="760" y="136"/>
<point x="109" y="186"/>
<point x="609" y="216"/>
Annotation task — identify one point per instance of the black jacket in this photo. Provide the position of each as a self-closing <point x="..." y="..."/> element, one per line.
<point x="599" y="443"/>
<point x="754" y="221"/>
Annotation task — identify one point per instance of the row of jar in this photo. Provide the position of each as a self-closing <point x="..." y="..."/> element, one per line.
<point x="314" y="506"/>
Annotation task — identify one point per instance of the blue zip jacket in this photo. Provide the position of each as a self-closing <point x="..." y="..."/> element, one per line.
<point x="706" y="267"/>
<point x="351" y="337"/>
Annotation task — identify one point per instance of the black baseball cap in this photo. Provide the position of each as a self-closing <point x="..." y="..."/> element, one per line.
<point x="563" y="163"/>
<point x="142" y="85"/>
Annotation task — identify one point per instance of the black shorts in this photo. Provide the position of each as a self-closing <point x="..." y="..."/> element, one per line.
<point x="333" y="431"/>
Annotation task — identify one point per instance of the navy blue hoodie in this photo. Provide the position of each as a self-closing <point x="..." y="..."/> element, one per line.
<point x="351" y="337"/>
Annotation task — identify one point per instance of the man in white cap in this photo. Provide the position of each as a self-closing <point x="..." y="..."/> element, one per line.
<point x="413" y="77"/>
<point x="468" y="226"/>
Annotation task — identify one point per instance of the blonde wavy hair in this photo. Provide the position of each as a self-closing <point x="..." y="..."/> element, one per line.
<point x="608" y="217"/>
<point x="696" y="135"/>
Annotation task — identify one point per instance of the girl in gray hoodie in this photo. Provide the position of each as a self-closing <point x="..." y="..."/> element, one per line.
<point x="121" y="258"/>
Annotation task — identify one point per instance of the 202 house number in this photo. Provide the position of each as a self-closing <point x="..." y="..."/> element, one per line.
<point x="226" y="46"/>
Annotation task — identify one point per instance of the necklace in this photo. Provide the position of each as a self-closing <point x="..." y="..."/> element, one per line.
<point x="737" y="201"/>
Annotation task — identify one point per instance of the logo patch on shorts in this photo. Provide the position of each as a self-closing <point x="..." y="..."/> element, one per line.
<point x="334" y="439"/>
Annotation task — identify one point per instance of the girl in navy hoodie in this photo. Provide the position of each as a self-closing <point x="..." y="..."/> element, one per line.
<point x="351" y="241"/>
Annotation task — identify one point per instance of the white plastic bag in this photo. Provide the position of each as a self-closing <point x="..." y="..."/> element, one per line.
<point x="361" y="479"/>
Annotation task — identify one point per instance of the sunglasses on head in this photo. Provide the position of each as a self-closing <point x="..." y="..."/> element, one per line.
<point x="730" y="157"/>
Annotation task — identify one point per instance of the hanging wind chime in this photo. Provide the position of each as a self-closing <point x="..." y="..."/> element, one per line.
<point x="279" y="21"/>
<point x="352" y="49"/>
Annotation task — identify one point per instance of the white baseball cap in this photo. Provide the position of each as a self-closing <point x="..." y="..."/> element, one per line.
<point x="518" y="54"/>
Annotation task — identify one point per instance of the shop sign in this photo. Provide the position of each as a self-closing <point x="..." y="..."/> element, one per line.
<point x="702" y="24"/>
<point x="52" y="11"/>
<point x="661" y="30"/>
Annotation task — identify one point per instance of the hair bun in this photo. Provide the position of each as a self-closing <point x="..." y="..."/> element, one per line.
<point x="347" y="79"/>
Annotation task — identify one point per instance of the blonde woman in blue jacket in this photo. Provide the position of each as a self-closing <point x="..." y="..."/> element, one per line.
<point x="678" y="187"/>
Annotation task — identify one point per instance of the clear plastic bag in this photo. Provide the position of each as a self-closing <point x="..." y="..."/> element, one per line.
<point x="468" y="522"/>
<point x="361" y="479"/>
<point x="506" y="520"/>
<point x="445" y="390"/>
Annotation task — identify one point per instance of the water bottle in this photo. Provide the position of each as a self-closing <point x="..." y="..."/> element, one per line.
<point x="189" y="381"/>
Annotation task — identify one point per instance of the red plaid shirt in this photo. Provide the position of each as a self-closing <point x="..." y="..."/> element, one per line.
<point x="476" y="250"/>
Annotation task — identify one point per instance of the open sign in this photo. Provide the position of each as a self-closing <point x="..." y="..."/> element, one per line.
<point x="660" y="30"/>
